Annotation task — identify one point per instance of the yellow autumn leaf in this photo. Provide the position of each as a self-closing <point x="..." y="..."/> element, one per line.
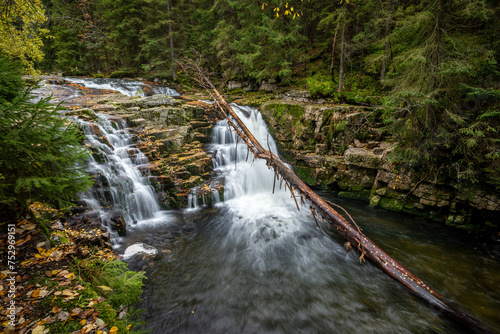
<point x="105" y="288"/>
<point x="34" y="294"/>
<point x="113" y="330"/>
<point x="129" y="326"/>
<point x="39" y="330"/>
<point x="83" y="322"/>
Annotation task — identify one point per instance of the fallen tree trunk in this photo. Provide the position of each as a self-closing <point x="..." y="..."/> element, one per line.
<point x="353" y="235"/>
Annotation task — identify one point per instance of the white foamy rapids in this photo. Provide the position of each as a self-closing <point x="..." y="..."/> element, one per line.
<point x="261" y="219"/>
<point x="245" y="174"/>
<point x="126" y="87"/>
<point x="121" y="189"/>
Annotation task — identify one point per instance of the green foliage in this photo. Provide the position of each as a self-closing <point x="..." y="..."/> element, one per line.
<point x="109" y="286"/>
<point x="124" y="73"/>
<point x="123" y="287"/>
<point x="321" y="86"/>
<point x="10" y="80"/>
<point x="40" y="153"/>
<point x="21" y="31"/>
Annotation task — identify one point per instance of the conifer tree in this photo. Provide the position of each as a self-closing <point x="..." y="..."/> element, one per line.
<point x="41" y="156"/>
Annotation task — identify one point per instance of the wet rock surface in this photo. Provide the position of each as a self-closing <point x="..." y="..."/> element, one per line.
<point x="344" y="148"/>
<point x="171" y="133"/>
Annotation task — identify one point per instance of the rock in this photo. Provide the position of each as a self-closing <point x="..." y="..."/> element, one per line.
<point x="375" y="200"/>
<point x="362" y="157"/>
<point x="231" y="85"/>
<point x="155" y="100"/>
<point x="93" y="129"/>
<point x="432" y="195"/>
<point x="268" y="86"/>
<point x="105" y="108"/>
<point x="357" y="143"/>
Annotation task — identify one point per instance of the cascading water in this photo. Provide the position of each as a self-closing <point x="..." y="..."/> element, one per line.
<point x="126" y="87"/>
<point x="122" y="193"/>
<point x="118" y="166"/>
<point x="244" y="175"/>
<point x="254" y="264"/>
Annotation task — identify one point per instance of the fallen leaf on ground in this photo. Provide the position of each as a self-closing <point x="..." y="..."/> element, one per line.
<point x="40" y="330"/>
<point x="62" y="316"/>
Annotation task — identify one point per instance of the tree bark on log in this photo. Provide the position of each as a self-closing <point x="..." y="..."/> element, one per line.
<point x="353" y="235"/>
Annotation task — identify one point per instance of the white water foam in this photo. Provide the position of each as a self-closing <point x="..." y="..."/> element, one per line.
<point x="121" y="172"/>
<point x="263" y="219"/>
<point x="126" y="87"/>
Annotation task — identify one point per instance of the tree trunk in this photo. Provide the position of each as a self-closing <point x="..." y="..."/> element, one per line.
<point x="342" y="50"/>
<point x="334" y="46"/>
<point x="386" y="45"/>
<point x="171" y="38"/>
<point x="317" y="205"/>
<point x="384" y="60"/>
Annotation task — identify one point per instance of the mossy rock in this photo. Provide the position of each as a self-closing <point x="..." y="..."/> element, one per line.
<point x="280" y="109"/>
<point x="391" y="204"/>
<point x="83" y="113"/>
<point x="374" y="201"/>
<point x="363" y="195"/>
<point x="306" y="174"/>
<point x="357" y="188"/>
<point x="396" y="205"/>
<point x="459" y="221"/>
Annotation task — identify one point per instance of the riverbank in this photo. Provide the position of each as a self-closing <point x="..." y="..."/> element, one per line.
<point x="173" y="133"/>
<point x="341" y="147"/>
<point x="63" y="278"/>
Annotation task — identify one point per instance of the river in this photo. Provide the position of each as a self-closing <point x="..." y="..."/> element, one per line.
<point x="255" y="264"/>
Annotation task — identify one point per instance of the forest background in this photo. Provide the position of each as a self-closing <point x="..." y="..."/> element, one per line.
<point x="432" y="63"/>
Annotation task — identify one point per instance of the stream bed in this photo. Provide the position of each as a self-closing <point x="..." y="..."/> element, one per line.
<point x="255" y="264"/>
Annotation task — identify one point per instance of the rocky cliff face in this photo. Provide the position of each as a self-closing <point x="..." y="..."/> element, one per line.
<point x="172" y="134"/>
<point x="345" y="149"/>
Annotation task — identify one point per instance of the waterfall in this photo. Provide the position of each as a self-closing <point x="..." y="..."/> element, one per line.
<point x="245" y="175"/>
<point x="122" y="195"/>
<point x="126" y="87"/>
<point x="120" y="170"/>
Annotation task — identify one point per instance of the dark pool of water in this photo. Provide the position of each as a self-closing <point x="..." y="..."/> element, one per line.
<point x="224" y="270"/>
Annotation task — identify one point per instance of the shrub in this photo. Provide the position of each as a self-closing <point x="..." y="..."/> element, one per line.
<point x="41" y="156"/>
<point x="321" y="86"/>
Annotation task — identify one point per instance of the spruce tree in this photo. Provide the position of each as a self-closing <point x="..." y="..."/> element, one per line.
<point x="41" y="156"/>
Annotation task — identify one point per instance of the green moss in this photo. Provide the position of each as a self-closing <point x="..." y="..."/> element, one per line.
<point x="279" y="109"/>
<point x="296" y="110"/>
<point x="363" y="195"/>
<point x="374" y="200"/>
<point x="357" y="188"/>
<point x="306" y="174"/>
<point x="391" y="204"/>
